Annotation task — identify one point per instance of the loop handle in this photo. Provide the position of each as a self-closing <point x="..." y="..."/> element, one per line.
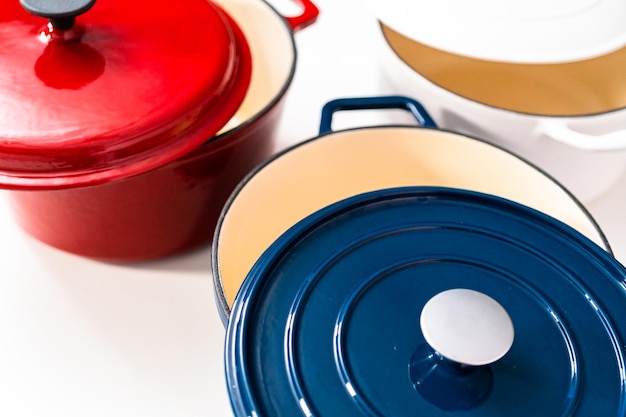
<point x="374" y="103"/>
<point x="307" y="17"/>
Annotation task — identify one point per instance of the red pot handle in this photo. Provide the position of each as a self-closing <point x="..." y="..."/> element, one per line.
<point x="308" y="16"/>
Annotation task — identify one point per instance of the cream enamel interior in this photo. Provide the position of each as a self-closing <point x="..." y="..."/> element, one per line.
<point x="343" y="164"/>
<point x="574" y="88"/>
<point x="272" y="53"/>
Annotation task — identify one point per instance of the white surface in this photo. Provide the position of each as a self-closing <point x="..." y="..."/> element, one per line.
<point x="526" y="31"/>
<point x="586" y="170"/>
<point x="84" y="338"/>
<point x="467" y="327"/>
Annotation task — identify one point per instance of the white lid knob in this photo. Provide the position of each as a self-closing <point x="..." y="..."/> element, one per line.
<point x="467" y="327"/>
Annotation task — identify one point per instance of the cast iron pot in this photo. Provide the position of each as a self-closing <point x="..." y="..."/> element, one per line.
<point x="429" y="301"/>
<point x="335" y="165"/>
<point x="567" y="117"/>
<point x="127" y="211"/>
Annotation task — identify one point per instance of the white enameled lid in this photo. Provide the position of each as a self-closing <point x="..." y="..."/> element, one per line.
<point x="530" y="31"/>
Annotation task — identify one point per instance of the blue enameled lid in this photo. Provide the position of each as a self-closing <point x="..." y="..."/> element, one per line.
<point x="427" y="302"/>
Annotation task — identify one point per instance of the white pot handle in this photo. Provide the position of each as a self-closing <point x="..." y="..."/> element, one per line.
<point x="561" y="132"/>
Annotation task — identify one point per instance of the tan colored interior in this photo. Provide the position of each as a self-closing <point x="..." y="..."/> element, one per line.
<point x="272" y="52"/>
<point x="576" y="88"/>
<point x="343" y="164"/>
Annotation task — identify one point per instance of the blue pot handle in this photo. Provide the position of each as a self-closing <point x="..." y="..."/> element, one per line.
<point x="374" y="103"/>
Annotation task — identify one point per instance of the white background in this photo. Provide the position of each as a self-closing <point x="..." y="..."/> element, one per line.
<point x="84" y="338"/>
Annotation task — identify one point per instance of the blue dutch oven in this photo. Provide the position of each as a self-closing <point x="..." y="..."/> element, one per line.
<point x="339" y="164"/>
<point x="429" y="301"/>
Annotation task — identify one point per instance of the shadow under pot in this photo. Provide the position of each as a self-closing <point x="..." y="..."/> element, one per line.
<point x="161" y="135"/>
<point x="567" y="117"/>
<point x="338" y="164"/>
<point x="429" y="301"/>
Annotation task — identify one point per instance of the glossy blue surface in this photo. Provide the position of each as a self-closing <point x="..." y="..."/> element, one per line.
<point x="374" y="103"/>
<point x="448" y="385"/>
<point x="327" y="322"/>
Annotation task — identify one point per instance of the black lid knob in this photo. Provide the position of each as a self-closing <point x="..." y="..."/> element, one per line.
<point x="60" y="12"/>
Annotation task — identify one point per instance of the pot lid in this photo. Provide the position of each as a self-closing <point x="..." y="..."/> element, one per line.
<point x="121" y="89"/>
<point x="511" y="31"/>
<point x="429" y="302"/>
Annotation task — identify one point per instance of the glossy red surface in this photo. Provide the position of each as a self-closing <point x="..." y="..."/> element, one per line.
<point x="162" y="212"/>
<point x="309" y="14"/>
<point x="156" y="214"/>
<point x="132" y="86"/>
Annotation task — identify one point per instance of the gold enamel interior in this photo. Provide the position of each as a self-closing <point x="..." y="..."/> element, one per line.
<point x="574" y="88"/>
<point x="343" y="164"/>
<point x="272" y="53"/>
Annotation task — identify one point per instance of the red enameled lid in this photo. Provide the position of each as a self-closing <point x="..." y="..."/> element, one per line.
<point x="121" y="89"/>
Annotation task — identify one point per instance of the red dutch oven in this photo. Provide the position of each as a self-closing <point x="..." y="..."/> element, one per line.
<point x="125" y="126"/>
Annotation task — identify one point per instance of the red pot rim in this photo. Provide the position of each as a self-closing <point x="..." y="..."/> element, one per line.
<point x="130" y="87"/>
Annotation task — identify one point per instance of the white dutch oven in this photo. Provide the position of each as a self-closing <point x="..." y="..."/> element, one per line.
<point x="542" y="88"/>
